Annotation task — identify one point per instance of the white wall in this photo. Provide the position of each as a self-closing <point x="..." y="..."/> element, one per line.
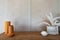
<point x="18" y="14"/>
<point x="26" y="15"/>
<point x="3" y="12"/>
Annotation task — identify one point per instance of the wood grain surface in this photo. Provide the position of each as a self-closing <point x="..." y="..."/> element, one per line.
<point x="29" y="36"/>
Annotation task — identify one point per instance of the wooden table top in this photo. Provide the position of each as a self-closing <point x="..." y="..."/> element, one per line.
<point x="29" y="36"/>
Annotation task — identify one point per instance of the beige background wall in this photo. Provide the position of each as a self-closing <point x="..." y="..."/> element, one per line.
<point x="39" y="8"/>
<point x="26" y="15"/>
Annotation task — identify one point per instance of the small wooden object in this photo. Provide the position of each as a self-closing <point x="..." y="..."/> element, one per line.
<point x="7" y="24"/>
<point x="11" y="31"/>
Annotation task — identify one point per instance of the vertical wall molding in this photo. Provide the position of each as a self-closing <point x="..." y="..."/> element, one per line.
<point x="29" y="14"/>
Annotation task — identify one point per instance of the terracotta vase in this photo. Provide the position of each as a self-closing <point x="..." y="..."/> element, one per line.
<point x="11" y="31"/>
<point x="7" y="24"/>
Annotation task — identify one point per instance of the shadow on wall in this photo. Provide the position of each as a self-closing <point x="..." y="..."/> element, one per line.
<point x="20" y="24"/>
<point x="43" y="27"/>
<point x="57" y="15"/>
